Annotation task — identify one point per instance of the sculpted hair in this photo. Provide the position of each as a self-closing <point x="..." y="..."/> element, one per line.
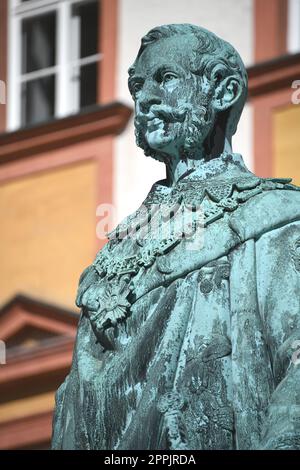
<point x="213" y="58"/>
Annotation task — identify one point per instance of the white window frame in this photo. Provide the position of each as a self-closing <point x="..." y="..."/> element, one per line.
<point x="66" y="84"/>
<point x="293" y="33"/>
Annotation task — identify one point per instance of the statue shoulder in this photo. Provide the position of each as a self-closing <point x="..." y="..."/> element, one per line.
<point x="87" y="278"/>
<point x="267" y="211"/>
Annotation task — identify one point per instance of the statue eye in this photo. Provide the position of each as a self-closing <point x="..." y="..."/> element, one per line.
<point x="168" y="76"/>
<point x="135" y="88"/>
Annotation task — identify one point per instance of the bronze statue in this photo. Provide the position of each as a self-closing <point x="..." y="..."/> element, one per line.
<point x="188" y="330"/>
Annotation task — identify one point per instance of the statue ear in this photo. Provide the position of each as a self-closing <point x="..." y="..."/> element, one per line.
<point x="227" y="92"/>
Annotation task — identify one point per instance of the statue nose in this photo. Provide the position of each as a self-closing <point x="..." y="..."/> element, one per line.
<point x="145" y="103"/>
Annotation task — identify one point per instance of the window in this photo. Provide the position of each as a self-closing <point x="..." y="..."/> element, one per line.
<point x="54" y="57"/>
<point x="293" y="37"/>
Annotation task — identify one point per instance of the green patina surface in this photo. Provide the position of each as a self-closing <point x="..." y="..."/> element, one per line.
<point x="190" y="314"/>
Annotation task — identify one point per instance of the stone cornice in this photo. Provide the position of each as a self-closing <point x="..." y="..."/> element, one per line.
<point x="98" y="121"/>
<point x="272" y="75"/>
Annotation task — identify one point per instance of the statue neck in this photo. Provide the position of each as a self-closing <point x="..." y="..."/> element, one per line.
<point x="227" y="164"/>
<point x="205" y="166"/>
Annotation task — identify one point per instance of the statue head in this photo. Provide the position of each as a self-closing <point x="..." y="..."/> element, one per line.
<point x="189" y="88"/>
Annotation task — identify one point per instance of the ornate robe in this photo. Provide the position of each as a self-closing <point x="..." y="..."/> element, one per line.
<point x="181" y="348"/>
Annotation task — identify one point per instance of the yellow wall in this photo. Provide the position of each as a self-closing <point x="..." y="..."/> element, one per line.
<point x="286" y="141"/>
<point x="47" y="233"/>
<point x="27" y="406"/>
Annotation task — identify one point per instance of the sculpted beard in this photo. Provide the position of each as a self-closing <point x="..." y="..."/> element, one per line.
<point x="189" y="123"/>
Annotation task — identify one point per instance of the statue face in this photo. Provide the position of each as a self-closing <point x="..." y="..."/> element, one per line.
<point x="172" y="111"/>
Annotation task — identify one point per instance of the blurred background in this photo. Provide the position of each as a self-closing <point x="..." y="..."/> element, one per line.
<point x="67" y="146"/>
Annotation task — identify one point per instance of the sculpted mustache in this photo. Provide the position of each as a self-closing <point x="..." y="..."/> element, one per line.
<point x="166" y="113"/>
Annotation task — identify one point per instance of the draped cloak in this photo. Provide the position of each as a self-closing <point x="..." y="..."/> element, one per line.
<point x="206" y="355"/>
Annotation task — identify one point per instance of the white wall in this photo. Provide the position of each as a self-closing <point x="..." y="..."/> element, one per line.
<point x="230" y="19"/>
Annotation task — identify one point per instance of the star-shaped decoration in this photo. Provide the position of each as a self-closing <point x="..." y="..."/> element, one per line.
<point x="113" y="307"/>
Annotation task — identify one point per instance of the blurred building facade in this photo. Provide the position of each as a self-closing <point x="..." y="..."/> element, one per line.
<point x="67" y="146"/>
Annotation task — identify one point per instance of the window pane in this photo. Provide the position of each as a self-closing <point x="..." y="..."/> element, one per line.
<point x="38" y="42"/>
<point x="88" y="85"/>
<point x="85" y="31"/>
<point x="38" y="100"/>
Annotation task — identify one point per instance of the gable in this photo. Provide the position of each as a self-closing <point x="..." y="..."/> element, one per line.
<point x="28" y="324"/>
